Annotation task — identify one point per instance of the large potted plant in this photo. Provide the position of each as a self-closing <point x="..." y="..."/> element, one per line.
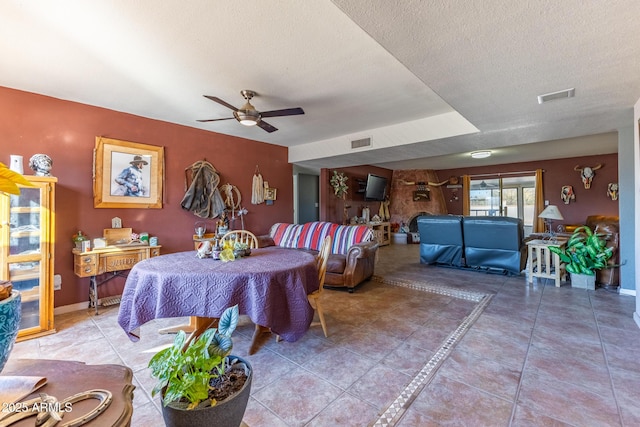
<point x="10" y="310"/>
<point x="10" y="302"/>
<point x="584" y="254"/>
<point x="200" y="382"/>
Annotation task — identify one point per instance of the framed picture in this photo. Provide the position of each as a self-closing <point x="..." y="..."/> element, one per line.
<point x="127" y="174"/>
<point x="270" y="193"/>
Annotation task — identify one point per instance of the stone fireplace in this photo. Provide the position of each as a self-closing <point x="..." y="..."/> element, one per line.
<point x="406" y="206"/>
<point x="413" y="221"/>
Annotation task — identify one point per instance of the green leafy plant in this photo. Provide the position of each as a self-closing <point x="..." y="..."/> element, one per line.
<point x="186" y="373"/>
<point x="585" y="252"/>
<point x="239" y="246"/>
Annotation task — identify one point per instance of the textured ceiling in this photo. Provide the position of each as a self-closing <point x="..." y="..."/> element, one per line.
<point x="428" y="82"/>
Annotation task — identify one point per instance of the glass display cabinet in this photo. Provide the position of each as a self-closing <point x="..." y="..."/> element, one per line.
<point x="27" y="234"/>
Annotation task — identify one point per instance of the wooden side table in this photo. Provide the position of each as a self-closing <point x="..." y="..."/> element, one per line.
<point x="543" y="263"/>
<point x="67" y="378"/>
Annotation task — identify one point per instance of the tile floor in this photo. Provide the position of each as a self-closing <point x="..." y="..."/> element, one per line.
<point x="533" y="355"/>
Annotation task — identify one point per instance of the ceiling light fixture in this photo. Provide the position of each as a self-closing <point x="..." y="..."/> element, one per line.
<point x="247" y="116"/>
<point x="561" y="94"/>
<point x="483" y="154"/>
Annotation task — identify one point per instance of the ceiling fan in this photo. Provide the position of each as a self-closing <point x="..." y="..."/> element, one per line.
<point x="249" y="116"/>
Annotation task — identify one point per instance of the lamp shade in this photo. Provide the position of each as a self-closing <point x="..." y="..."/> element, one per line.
<point x="551" y="212"/>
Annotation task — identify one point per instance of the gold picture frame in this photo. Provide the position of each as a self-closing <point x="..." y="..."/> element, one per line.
<point x="270" y="193"/>
<point x="127" y="174"/>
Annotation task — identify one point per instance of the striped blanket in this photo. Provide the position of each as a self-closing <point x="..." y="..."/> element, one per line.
<point x="311" y="235"/>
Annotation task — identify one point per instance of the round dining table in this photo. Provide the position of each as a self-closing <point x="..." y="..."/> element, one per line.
<point x="270" y="286"/>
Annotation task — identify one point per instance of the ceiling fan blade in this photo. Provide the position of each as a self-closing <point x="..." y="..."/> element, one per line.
<point x="266" y="126"/>
<point x="215" y="120"/>
<point x="221" y="102"/>
<point x="284" y="112"/>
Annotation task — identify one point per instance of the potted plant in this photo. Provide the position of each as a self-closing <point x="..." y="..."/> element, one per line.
<point x="10" y="300"/>
<point x="200" y="382"/>
<point x="584" y="254"/>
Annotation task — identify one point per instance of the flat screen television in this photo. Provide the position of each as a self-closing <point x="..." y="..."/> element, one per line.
<point x="376" y="187"/>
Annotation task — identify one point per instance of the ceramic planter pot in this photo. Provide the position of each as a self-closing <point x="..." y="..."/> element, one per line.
<point x="228" y="413"/>
<point x="10" y="311"/>
<point x="583" y="281"/>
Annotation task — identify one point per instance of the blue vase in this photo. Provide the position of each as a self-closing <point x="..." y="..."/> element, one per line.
<point x="10" y="311"/>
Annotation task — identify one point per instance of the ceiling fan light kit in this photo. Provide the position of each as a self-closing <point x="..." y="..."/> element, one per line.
<point x="249" y="116"/>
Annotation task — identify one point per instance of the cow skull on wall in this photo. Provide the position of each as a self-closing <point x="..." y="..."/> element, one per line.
<point x="587" y="173"/>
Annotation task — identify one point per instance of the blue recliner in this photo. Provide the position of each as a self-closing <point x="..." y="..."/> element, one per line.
<point x="494" y="243"/>
<point x="441" y="240"/>
<point x="488" y="243"/>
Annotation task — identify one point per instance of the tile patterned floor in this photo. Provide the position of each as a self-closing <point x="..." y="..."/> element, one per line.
<point x="536" y="355"/>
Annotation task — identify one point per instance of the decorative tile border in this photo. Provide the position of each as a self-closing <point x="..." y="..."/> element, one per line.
<point x="399" y="406"/>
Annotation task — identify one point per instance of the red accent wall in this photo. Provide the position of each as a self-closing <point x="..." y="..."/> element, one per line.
<point x="66" y="131"/>
<point x="557" y="173"/>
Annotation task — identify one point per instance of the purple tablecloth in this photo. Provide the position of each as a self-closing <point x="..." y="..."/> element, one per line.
<point x="270" y="286"/>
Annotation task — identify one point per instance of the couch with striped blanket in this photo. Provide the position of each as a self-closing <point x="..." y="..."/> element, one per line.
<point x="353" y="250"/>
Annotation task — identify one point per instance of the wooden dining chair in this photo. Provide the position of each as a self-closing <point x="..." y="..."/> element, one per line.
<point x="242" y="236"/>
<point x="321" y="263"/>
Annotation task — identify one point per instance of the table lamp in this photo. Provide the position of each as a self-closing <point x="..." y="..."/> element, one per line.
<point x="550" y="213"/>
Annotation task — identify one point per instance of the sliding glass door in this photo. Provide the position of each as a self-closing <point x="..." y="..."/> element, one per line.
<point x="504" y="196"/>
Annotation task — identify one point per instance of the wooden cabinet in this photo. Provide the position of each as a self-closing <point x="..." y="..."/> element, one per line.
<point x="381" y="232"/>
<point x="27" y="233"/>
<point x="112" y="259"/>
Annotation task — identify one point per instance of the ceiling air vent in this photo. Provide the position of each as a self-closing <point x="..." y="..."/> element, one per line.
<point x="561" y="94"/>
<point x="364" y="142"/>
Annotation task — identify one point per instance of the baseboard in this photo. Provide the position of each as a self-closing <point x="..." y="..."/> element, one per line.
<point x="71" y="308"/>
<point x="631" y="292"/>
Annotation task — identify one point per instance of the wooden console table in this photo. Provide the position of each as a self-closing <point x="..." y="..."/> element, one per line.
<point x="112" y="259"/>
<point x="381" y="232"/>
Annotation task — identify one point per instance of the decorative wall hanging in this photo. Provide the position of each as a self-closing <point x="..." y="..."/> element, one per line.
<point x="567" y="194"/>
<point x="587" y="173"/>
<point x="257" y="188"/>
<point x="421" y="195"/>
<point x="231" y="196"/>
<point x="202" y="196"/>
<point x="127" y="174"/>
<point x="423" y="191"/>
<point x="339" y="183"/>
<point x="453" y="180"/>
<point x="612" y="190"/>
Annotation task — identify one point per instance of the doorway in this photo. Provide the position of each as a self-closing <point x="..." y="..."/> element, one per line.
<point x="307" y="199"/>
